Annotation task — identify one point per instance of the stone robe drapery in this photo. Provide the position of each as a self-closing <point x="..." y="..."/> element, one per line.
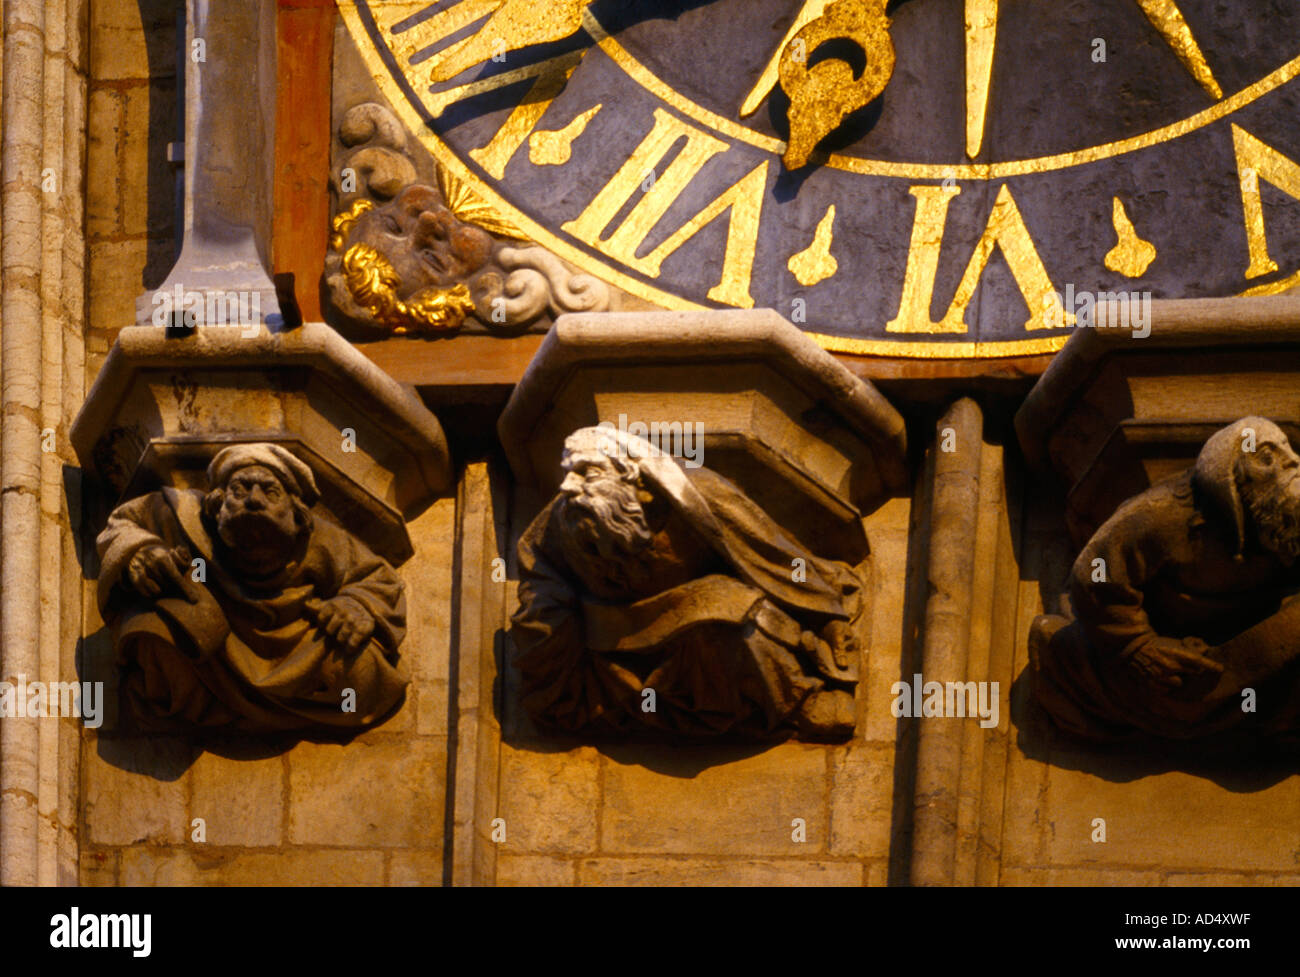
<point x="242" y="655"/>
<point x="1174" y="567"/>
<point x="726" y="652"/>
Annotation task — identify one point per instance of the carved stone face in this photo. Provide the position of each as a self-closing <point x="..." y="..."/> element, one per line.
<point x="602" y="509"/>
<point x="1269" y="480"/>
<point x="423" y="240"/>
<point x="258" y="520"/>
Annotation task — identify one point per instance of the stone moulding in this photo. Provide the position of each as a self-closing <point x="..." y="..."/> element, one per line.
<point x="163" y="404"/>
<point x="1113" y="414"/>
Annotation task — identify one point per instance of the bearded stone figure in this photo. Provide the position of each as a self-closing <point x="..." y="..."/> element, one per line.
<point x="405" y="265"/>
<point x="242" y="609"/>
<point x="655" y="597"/>
<point x="1186" y="623"/>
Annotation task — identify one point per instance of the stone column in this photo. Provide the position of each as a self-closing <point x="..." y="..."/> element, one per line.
<point x="967" y="635"/>
<point x="41" y="264"/>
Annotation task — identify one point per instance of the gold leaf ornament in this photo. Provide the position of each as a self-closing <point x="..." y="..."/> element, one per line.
<point x="468" y="207"/>
<point x="821" y="96"/>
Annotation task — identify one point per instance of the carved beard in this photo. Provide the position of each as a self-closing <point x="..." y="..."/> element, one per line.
<point x="606" y="528"/>
<point x="261" y="541"/>
<point x="1275" y="511"/>
<point x="607" y="513"/>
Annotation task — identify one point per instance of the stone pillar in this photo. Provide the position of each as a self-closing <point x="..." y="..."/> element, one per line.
<point x="42" y="262"/>
<point x="480" y="615"/>
<point x="967" y="635"/>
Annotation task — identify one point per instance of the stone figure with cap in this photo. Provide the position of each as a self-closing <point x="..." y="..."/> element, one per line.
<point x="1185" y="625"/>
<point x="659" y="598"/>
<point x="243" y="608"/>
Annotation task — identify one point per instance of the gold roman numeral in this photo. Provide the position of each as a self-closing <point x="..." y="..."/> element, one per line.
<point x="660" y="191"/>
<point x="1257" y="161"/>
<point x="1006" y="229"/>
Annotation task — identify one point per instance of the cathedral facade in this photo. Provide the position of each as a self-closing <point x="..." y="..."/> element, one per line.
<point x="744" y="442"/>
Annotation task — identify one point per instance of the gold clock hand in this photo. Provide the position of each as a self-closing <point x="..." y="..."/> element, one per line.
<point x="1168" y="20"/>
<point x="812" y="9"/>
<point x="821" y="96"/>
<point x="981" y="30"/>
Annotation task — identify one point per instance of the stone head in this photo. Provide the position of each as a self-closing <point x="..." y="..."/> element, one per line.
<point x="407" y="262"/>
<point x="259" y="503"/>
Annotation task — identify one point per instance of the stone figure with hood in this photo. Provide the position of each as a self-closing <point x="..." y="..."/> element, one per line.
<point x="244" y="608"/>
<point x="656" y="597"/>
<point x="1185" y="620"/>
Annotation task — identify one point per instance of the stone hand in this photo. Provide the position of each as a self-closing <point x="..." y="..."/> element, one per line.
<point x="842" y="641"/>
<point x="345" y="620"/>
<point x="1164" y="662"/>
<point x="156" y="568"/>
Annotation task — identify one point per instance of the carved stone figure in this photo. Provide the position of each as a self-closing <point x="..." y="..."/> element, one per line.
<point x="405" y="263"/>
<point x="1186" y="623"/>
<point x="659" y="597"/>
<point x="408" y="257"/>
<point x="240" y="608"/>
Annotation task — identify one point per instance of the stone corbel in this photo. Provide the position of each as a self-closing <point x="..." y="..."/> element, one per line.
<point x="703" y="569"/>
<point x="1175" y="449"/>
<point x="1119" y="409"/>
<point x="187" y="436"/>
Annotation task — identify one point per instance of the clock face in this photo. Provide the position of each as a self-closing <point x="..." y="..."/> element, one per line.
<point x="935" y="178"/>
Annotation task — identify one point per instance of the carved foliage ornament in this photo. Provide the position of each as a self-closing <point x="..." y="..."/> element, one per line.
<point x="1185" y="618"/>
<point x="244" y="608"/>
<point x="658" y="598"/>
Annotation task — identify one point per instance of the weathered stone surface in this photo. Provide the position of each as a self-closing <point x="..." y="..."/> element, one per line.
<point x="103" y="195"/>
<point x="549" y="800"/>
<point x="240" y="801"/>
<point x="861" y="800"/>
<point x="129" y="40"/>
<point x="151" y="866"/>
<point x="429" y="573"/>
<point x="713" y="872"/>
<point x="743" y="805"/>
<point x="884" y="651"/>
<point x="371" y="793"/>
<point x="1175" y="819"/>
<point x="415" y="868"/>
<point x="122" y="807"/>
<point x="535" y="870"/>
<point x="98" y="867"/>
<point x="1092" y="877"/>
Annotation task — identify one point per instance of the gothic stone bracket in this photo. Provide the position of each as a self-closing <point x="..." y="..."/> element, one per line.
<point x="702" y="570"/>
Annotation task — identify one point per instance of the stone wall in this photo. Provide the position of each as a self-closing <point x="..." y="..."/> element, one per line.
<point x="441" y="792"/>
<point x="42" y="250"/>
<point x="131" y="232"/>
